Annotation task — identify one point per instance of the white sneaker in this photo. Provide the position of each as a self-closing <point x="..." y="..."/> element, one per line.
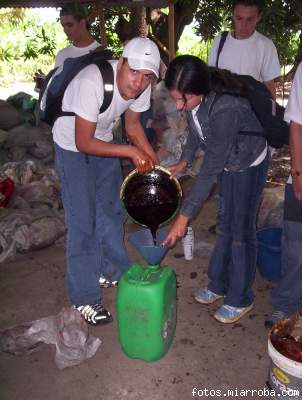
<point x="95" y="315"/>
<point x="105" y="283"/>
<point x="229" y="314"/>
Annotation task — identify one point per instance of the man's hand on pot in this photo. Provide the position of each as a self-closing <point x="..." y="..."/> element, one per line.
<point x="142" y="161"/>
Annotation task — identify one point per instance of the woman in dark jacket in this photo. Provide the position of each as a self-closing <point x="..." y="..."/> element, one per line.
<point x="221" y="122"/>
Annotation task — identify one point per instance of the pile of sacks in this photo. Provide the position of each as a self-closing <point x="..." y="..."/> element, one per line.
<point x="20" y="138"/>
<point x="33" y="218"/>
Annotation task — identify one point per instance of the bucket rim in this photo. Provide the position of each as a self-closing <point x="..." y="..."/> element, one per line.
<point x="289" y="366"/>
<point x="156" y="168"/>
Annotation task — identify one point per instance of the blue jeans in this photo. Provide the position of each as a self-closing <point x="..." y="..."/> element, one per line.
<point x="94" y="217"/>
<point x="233" y="262"/>
<point x="287" y="295"/>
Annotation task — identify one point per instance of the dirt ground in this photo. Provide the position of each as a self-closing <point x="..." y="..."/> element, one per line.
<point x="205" y="354"/>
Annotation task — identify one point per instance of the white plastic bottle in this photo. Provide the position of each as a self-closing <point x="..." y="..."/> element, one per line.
<point x="188" y="243"/>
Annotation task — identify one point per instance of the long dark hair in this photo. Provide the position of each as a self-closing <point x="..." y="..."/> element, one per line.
<point x="189" y="74"/>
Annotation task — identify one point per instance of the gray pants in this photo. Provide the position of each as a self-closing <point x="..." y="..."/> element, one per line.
<point x="287" y="295"/>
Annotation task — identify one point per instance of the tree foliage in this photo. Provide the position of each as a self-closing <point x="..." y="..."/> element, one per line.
<point x="26" y="45"/>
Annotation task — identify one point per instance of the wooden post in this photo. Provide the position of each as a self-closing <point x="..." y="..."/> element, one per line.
<point x="171" y="31"/>
<point x="100" y="12"/>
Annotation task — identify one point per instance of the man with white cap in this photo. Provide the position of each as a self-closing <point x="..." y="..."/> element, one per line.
<point x="88" y="163"/>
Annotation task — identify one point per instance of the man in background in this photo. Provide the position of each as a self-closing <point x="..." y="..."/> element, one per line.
<point x="287" y="295"/>
<point x="246" y="51"/>
<point x="74" y="20"/>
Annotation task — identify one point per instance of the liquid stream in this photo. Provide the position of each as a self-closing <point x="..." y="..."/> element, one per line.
<point x="152" y="216"/>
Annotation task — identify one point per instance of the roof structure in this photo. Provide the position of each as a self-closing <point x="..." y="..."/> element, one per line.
<point x="100" y="3"/>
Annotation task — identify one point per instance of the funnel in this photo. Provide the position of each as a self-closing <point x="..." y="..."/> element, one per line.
<point x="142" y="240"/>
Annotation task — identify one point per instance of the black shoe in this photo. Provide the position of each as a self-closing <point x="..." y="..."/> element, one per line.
<point x="95" y="315"/>
<point x="276" y="316"/>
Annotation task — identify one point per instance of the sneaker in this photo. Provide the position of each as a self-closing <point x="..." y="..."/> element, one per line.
<point x="206" y="296"/>
<point x="95" y="314"/>
<point x="229" y="314"/>
<point x="105" y="283"/>
<point x="276" y="316"/>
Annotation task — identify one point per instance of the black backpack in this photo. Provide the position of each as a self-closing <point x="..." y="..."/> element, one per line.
<point x="55" y="85"/>
<point x="269" y="113"/>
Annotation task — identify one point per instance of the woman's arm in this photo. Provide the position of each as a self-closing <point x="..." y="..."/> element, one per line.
<point x="224" y="125"/>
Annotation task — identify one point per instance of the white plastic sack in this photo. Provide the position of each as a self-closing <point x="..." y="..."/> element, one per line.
<point x="67" y="331"/>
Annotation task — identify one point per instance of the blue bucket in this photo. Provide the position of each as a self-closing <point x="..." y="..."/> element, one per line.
<point x="269" y="253"/>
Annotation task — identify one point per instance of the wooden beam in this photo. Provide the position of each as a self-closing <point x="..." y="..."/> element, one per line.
<point x="171" y="31"/>
<point x="103" y="36"/>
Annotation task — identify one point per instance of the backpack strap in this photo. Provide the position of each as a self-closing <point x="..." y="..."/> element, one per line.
<point x="107" y="73"/>
<point x="45" y="84"/>
<point x="223" y="37"/>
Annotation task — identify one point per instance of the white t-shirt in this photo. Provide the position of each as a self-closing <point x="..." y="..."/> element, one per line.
<point x="84" y="96"/>
<point x="255" y="56"/>
<point x="195" y="119"/>
<point x="73" y="52"/>
<point x="293" y="111"/>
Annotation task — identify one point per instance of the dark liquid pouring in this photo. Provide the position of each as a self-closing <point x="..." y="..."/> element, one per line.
<point x="151" y="199"/>
<point x="152" y="216"/>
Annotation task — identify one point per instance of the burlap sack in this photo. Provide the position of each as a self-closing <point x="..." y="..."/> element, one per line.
<point x="9" y="116"/>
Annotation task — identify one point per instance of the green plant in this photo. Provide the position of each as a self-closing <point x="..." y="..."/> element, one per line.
<point x="27" y="46"/>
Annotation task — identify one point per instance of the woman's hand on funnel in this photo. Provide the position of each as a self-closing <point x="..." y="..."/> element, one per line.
<point x="177" y="168"/>
<point x="142" y="161"/>
<point x="177" y="231"/>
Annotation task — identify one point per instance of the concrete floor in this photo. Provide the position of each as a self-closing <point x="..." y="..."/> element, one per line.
<point x="205" y="354"/>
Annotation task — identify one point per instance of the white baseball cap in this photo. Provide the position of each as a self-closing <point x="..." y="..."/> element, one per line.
<point x="142" y="53"/>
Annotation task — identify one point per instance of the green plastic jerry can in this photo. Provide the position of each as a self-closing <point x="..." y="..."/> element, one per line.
<point x="146" y="311"/>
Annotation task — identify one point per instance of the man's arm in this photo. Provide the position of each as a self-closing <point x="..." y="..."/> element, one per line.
<point x="271" y="87"/>
<point x="136" y="134"/>
<point x="88" y="144"/>
<point x="296" y="157"/>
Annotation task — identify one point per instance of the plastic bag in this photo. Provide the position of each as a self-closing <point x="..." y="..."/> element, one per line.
<point x="67" y="331"/>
